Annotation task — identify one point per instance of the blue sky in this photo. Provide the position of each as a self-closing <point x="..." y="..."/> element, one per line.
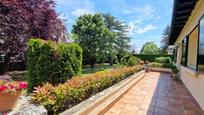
<point x="146" y="18"/>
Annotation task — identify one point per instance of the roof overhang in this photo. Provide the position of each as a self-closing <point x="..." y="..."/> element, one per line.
<point x="181" y="11"/>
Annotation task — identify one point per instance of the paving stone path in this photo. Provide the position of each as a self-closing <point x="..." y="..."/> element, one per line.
<point x="157" y="94"/>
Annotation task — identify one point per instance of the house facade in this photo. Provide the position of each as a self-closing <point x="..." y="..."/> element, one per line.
<point x="187" y="36"/>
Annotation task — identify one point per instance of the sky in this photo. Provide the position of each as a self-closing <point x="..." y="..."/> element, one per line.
<point x="146" y="19"/>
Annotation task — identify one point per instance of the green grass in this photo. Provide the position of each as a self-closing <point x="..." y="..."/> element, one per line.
<point x="22" y="76"/>
<point x="98" y="67"/>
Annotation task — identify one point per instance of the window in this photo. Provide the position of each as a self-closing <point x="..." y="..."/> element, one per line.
<point x="201" y="46"/>
<point x="192" y="48"/>
<point x="184" y="56"/>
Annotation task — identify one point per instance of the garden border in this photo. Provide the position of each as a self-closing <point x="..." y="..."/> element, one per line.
<point x="102" y="101"/>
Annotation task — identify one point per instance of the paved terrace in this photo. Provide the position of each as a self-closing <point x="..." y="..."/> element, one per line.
<point x="156" y="94"/>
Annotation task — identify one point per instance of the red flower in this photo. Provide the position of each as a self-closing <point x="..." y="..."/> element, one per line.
<point x="2" y="88"/>
<point x="22" y="85"/>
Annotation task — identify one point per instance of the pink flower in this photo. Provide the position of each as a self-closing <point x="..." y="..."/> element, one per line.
<point x="11" y="86"/>
<point x="23" y="85"/>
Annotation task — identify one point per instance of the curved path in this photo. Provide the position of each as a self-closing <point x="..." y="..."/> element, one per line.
<point x="156" y="94"/>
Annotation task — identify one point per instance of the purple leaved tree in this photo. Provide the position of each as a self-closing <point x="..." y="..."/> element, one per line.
<point x="21" y="20"/>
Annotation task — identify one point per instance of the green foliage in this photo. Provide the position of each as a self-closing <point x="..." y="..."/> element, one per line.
<point x="102" y="38"/>
<point x="175" y="73"/>
<point x="130" y="60"/>
<point x="133" y="61"/>
<point x="163" y="60"/>
<point x="63" y="96"/>
<point x="174" y="69"/>
<point x="165" y="39"/>
<point x="151" y="57"/>
<point x="150" y="48"/>
<point x="51" y="62"/>
<point x="92" y="36"/>
<point x="119" y="45"/>
<point x="160" y="65"/>
<point x="98" y="67"/>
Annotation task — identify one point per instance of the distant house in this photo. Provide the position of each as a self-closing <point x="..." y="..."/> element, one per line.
<point x="187" y="35"/>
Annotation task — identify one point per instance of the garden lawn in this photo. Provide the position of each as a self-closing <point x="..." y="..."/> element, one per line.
<point x="22" y="75"/>
<point x="98" y="67"/>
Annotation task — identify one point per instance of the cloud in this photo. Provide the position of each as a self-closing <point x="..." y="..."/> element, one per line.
<point x="79" y="12"/>
<point x="145" y="29"/>
<point x="76" y="7"/>
<point x="136" y="29"/>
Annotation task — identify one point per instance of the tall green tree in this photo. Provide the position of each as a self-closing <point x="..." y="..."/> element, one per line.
<point x="165" y="39"/>
<point x="150" y="48"/>
<point x="92" y="35"/>
<point x="119" y="44"/>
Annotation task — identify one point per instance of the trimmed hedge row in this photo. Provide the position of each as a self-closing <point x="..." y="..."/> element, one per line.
<point x="63" y="96"/>
<point x="151" y="57"/>
<point x="163" y="60"/>
<point x="160" y="65"/>
<point x="51" y="62"/>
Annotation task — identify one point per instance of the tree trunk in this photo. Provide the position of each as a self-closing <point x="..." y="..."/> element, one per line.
<point x="110" y="61"/>
<point x="92" y="65"/>
<point x="93" y="61"/>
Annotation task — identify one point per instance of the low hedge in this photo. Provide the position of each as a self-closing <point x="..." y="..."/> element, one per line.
<point x="160" y="65"/>
<point x="63" y="96"/>
<point x="163" y="60"/>
<point x="151" y="57"/>
<point x="51" y="62"/>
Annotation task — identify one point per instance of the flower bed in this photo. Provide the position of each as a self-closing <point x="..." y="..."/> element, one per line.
<point x="12" y="86"/>
<point x="9" y="93"/>
<point x="63" y="96"/>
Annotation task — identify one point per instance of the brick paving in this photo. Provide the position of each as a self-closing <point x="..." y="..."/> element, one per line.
<point x="156" y="94"/>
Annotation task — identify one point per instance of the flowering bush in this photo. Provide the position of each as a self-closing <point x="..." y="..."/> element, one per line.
<point x="63" y="96"/>
<point x="12" y="86"/>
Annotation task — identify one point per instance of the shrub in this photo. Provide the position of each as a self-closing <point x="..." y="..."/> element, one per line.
<point x="163" y="60"/>
<point x="151" y="57"/>
<point x="133" y="61"/>
<point x="130" y="60"/>
<point x="174" y="69"/>
<point x="63" y="96"/>
<point x="51" y="62"/>
<point x="161" y="65"/>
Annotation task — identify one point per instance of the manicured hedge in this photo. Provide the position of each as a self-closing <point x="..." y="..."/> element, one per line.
<point x="163" y="60"/>
<point x="63" y="96"/>
<point x="51" y="62"/>
<point x="160" y="65"/>
<point x="151" y="57"/>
